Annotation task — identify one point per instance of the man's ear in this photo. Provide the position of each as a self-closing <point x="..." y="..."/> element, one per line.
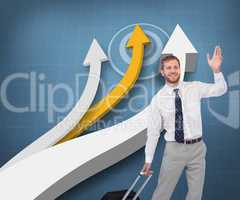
<point x="161" y="71"/>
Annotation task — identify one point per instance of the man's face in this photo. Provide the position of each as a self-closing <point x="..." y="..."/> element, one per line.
<point x="171" y="71"/>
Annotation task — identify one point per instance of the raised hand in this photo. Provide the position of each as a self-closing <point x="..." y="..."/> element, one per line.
<point x="216" y="60"/>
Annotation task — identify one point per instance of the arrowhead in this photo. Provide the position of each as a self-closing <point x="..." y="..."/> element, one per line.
<point x="178" y="42"/>
<point x="180" y="46"/>
<point x="137" y="37"/>
<point x="95" y="54"/>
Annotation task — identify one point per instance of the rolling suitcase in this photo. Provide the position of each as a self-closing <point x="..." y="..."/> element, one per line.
<point x="127" y="194"/>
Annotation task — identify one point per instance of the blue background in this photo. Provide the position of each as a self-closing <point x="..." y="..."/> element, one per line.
<point x="52" y="37"/>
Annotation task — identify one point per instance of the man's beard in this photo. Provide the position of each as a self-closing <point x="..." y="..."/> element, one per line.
<point x="170" y="81"/>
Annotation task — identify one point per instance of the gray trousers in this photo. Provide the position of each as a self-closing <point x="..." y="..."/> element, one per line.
<point x="176" y="157"/>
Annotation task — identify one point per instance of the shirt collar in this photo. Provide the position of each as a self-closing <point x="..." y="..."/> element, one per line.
<point x="169" y="89"/>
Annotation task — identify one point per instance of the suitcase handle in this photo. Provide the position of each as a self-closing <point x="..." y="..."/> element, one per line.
<point x="134" y="183"/>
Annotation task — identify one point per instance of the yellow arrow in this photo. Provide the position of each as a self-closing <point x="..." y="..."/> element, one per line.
<point x="137" y="41"/>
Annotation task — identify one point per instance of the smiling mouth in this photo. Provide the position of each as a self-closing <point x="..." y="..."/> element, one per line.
<point x="173" y="76"/>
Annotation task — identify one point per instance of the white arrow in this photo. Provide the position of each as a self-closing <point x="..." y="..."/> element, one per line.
<point x="94" y="58"/>
<point x="180" y="46"/>
<point x="51" y="172"/>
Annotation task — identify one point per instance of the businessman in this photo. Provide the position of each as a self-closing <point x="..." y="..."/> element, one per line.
<point x="177" y="109"/>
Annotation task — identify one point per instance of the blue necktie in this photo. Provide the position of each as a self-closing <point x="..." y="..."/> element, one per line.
<point x="179" y="134"/>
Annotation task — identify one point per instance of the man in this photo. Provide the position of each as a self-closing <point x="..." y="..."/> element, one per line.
<point x="176" y="108"/>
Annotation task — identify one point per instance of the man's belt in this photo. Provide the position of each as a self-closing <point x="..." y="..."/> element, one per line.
<point x="191" y="141"/>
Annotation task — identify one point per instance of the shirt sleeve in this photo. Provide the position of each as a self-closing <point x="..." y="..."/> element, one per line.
<point x="218" y="88"/>
<point x="154" y="120"/>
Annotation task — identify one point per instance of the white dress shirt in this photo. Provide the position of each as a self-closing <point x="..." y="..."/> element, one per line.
<point x="161" y="113"/>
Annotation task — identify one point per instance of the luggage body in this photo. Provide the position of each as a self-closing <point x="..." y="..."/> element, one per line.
<point x="127" y="194"/>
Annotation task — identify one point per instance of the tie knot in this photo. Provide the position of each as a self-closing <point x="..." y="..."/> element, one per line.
<point x="176" y="90"/>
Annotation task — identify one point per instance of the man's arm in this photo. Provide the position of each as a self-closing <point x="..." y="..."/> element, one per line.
<point x="153" y="130"/>
<point x="154" y="121"/>
<point x="219" y="87"/>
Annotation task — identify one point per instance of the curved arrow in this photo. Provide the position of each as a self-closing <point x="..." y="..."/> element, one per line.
<point x="94" y="58"/>
<point x="180" y="46"/>
<point x="57" y="171"/>
<point x="136" y="42"/>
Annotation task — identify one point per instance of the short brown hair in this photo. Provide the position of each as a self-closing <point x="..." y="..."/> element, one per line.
<point x="167" y="58"/>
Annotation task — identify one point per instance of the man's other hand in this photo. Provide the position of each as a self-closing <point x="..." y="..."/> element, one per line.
<point x="146" y="171"/>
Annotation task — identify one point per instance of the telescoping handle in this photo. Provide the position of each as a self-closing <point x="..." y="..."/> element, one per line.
<point x="134" y="183"/>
